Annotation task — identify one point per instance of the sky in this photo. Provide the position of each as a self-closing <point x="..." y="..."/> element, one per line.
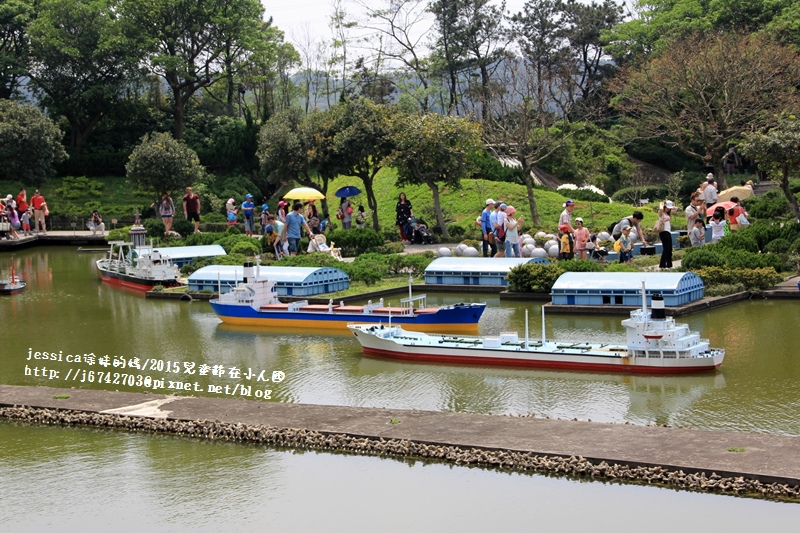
<point x="298" y="17"/>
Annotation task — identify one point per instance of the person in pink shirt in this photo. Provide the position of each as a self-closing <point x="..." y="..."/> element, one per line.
<point x="581" y="236"/>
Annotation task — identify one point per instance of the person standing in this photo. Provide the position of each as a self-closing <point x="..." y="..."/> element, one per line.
<point x="282" y="211"/>
<point x="489" y="245"/>
<point x="278" y="236"/>
<point x="22" y="202"/>
<point x="166" y="208"/>
<point x="191" y="208"/>
<point x="697" y="235"/>
<point x="25" y="220"/>
<point x="695" y="209"/>
<point x="581" y="239"/>
<point x="664" y="228"/>
<point x="710" y="192"/>
<point x="264" y="219"/>
<point x="565" y="220"/>
<point x="625" y="246"/>
<point x="717" y="224"/>
<point x="248" y="211"/>
<point x="512" y="226"/>
<point x="39" y="206"/>
<point x="733" y="214"/>
<point x="295" y="222"/>
<point x="403" y="211"/>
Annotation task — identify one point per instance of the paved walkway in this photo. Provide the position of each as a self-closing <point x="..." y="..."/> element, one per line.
<point x="766" y="458"/>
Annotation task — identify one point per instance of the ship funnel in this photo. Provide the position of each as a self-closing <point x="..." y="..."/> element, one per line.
<point x="249" y="275"/>
<point x="657" y="304"/>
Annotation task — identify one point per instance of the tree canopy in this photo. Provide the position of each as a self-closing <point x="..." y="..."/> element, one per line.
<point x="162" y="164"/>
<point x="30" y="144"/>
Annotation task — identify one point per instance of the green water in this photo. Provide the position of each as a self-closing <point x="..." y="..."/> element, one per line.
<point x="68" y="479"/>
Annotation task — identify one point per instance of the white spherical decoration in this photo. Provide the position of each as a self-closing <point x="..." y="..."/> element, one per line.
<point x="471" y="252"/>
<point x="459" y="251"/>
<point x="445" y="252"/>
<point x="539" y="252"/>
<point x="552" y="251"/>
<point x="551" y="236"/>
<point x="550" y="244"/>
<point x="529" y="240"/>
<point x="540" y="234"/>
<point x="603" y="236"/>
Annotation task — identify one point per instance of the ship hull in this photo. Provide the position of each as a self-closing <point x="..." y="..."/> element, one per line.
<point x="550" y="356"/>
<point x="455" y="319"/>
<point x="134" y="282"/>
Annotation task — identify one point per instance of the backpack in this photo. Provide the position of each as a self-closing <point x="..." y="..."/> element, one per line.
<point x="612" y="226"/>
<point x="339" y="214"/>
<point x="361" y="217"/>
<point x="618" y="245"/>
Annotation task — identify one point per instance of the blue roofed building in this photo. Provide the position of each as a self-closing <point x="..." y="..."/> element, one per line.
<point x="474" y="270"/>
<point x="289" y="281"/>
<point x="184" y="255"/>
<point x="624" y="288"/>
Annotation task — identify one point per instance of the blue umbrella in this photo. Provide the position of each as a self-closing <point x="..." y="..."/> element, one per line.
<point x="346" y="192"/>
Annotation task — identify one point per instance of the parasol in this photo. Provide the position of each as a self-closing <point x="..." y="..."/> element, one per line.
<point x="724" y="205"/>
<point x="304" y="193"/>
<point x="740" y="191"/>
<point x="347" y="191"/>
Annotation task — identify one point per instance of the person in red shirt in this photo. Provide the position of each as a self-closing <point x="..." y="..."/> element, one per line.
<point x="39" y="207"/>
<point x="733" y="214"/>
<point x="22" y="201"/>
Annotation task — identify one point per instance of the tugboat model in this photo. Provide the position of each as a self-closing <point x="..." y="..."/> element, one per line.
<point x="655" y="345"/>
<point x="128" y="266"/>
<point x="13" y="284"/>
<point x="255" y="302"/>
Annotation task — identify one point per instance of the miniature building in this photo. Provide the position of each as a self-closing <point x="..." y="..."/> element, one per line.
<point x="474" y="270"/>
<point x="289" y="281"/>
<point x="184" y="255"/>
<point x="624" y="288"/>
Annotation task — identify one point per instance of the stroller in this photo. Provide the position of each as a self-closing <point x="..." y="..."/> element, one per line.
<point x="420" y="234"/>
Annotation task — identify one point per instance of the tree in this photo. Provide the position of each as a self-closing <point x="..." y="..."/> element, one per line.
<point x="15" y="16"/>
<point x="362" y="141"/>
<point x="431" y="149"/>
<point x="293" y="146"/>
<point x="80" y="65"/>
<point x="777" y="151"/>
<point x="701" y="94"/>
<point x="162" y="164"/>
<point x="30" y="144"/>
<point x="189" y="41"/>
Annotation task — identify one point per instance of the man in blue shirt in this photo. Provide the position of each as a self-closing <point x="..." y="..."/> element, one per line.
<point x="488" y="230"/>
<point x="248" y="208"/>
<point x="295" y="221"/>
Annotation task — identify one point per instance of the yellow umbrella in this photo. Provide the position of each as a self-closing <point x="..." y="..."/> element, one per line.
<point x="304" y="193"/>
<point x="739" y="191"/>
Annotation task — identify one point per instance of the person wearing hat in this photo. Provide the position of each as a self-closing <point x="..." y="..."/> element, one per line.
<point x="512" y="226"/>
<point x="281" y="215"/>
<point x="487" y="230"/>
<point x="566" y="220"/>
<point x="191" y="208"/>
<point x="231" y="212"/>
<point x="264" y="219"/>
<point x="710" y="192"/>
<point x="664" y="227"/>
<point x="248" y="211"/>
<point x="581" y="236"/>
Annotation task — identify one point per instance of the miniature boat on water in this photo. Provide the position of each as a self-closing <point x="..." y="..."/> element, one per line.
<point x="138" y="269"/>
<point x="13" y="284"/>
<point x="255" y="302"/>
<point x="656" y="344"/>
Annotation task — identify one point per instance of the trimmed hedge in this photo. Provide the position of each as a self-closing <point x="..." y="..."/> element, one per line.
<point x="533" y="277"/>
<point x="750" y="279"/>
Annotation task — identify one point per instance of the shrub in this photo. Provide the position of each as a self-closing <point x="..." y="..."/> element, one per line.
<point x="249" y="248"/>
<point x="533" y="277"/>
<point x="620" y="267"/>
<point x="743" y="259"/>
<point x="724" y="289"/>
<point x="354" y="242"/>
<point x="202" y="239"/>
<point x="778" y="246"/>
<point x="413" y="264"/>
<point x="739" y="240"/>
<point x="702" y="256"/>
<point x="795" y="247"/>
<point x="233" y="230"/>
<point x="456" y="232"/>
<point x="749" y="279"/>
<point x="586" y="195"/>
<point x="772" y="205"/>
<point x="390" y="248"/>
<point x="229" y="241"/>
<point x="154" y="226"/>
<point x="183" y="226"/>
<point x="310" y="260"/>
<point x="580" y="265"/>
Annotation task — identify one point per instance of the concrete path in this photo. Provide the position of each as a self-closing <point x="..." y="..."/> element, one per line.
<point x="765" y="458"/>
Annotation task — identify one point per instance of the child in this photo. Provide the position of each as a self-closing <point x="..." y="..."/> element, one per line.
<point x="231" y="212"/>
<point x="263" y="219"/>
<point x="625" y="246"/>
<point x="581" y="239"/>
<point x="718" y="224"/>
<point x="361" y="217"/>
<point x="698" y="234"/>
<point x="26" y="222"/>
<point x="566" y="251"/>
